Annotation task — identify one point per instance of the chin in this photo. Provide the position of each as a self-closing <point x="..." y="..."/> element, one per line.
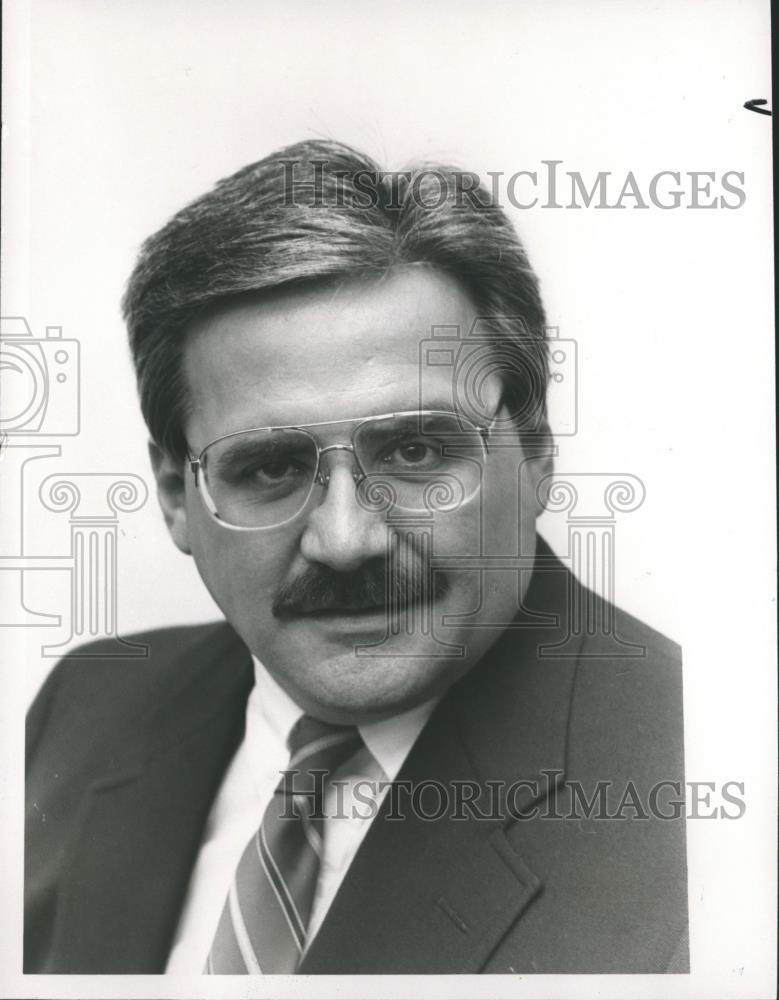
<point x="352" y="689"/>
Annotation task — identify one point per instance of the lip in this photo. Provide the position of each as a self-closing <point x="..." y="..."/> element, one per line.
<point x="327" y="613"/>
<point x="350" y="619"/>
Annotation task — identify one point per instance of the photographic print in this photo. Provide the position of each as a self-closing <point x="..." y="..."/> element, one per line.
<point x="387" y="446"/>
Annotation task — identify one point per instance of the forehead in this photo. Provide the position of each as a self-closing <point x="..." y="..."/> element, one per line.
<point x="324" y="353"/>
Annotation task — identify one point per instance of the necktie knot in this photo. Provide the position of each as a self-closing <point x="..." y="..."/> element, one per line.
<point x="320" y="746"/>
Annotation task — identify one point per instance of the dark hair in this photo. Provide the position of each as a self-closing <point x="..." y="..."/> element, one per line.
<point x="319" y="211"/>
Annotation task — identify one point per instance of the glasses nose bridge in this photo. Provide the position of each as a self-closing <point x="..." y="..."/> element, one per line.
<point x="323" y="471"/>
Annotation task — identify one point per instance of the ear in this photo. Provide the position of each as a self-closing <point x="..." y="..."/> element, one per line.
<point x="171" y="493"/>
<point x="541" y="467"/>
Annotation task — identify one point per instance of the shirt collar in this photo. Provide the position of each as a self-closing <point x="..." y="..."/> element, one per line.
<point x="389" y="740"/>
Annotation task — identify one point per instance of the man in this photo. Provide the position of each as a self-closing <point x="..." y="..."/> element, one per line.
<point x="391" y="758"/>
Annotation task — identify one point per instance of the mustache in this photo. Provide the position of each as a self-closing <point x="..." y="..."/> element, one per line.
<point x="375" y="584"/>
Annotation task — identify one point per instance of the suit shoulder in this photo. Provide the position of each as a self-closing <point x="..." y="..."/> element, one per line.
<point x="159" y="644"/>
<point x="153" y="652"/>
<point x="657" y="645"/>
<point x="617" y="627"/>
<point x="623" y="650"/>
<point x="94" y="681"/>
<point x="628" y="694"/>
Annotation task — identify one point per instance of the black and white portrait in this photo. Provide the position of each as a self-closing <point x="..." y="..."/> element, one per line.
<point x="387" y="548"/>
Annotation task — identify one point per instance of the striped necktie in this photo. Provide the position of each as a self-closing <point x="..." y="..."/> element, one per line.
<point x="263" y="924"/>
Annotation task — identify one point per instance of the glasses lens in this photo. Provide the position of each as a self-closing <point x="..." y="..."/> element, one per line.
<point x="259" y="479"/>
<point x="421" y="462"/>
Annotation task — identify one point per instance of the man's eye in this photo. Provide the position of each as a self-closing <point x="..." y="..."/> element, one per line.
<point x="265" y="471"/>
<point x="413" y="454"/>
<point x="275" y="470"/>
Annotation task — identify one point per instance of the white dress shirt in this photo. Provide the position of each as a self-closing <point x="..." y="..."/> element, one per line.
<point x="248" y="787"/>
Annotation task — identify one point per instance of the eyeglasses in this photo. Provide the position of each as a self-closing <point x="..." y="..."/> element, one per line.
<point x="416" y="461"/>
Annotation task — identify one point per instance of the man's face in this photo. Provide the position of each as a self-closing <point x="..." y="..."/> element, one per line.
<point x="341" y="353"/>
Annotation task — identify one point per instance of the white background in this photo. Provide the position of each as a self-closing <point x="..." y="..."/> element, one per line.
<point x="117" y="113"/>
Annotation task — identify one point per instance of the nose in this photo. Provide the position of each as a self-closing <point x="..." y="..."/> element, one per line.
<point x="339" y="532"/>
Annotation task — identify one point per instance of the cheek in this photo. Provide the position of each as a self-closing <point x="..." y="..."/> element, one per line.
<point x="242" y="570"/>
<point x="514" y="505"/>
<point x="500" y="523"/>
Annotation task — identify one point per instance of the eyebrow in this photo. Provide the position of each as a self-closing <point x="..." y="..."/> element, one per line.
<point x="239" y="449"/>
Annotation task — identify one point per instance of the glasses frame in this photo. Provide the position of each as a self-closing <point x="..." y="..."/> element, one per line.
<point x="198" y="469"/>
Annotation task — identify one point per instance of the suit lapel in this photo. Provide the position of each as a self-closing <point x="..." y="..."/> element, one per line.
<point x="423" y="895"/>
<point x="437" y="895"/>
<point x="122" y="897"/>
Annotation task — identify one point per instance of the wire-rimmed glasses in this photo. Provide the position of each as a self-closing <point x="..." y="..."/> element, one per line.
<point x="415" y="461"/>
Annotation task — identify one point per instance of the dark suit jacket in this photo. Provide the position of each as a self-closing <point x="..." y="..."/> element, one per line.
<point x="125" y="758"/>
